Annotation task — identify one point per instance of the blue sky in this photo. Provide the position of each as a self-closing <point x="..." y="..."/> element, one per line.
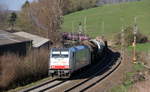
<point x="13" y="4"/>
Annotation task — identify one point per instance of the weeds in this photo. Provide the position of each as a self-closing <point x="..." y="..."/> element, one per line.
<point x="17" y="70"/>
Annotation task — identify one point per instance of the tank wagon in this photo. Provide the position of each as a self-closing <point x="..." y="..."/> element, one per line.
<point x="65" y="61"/>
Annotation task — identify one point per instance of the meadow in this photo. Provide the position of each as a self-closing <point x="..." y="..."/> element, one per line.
<point x="141" y="47"/>
<point x="109" y="19"/>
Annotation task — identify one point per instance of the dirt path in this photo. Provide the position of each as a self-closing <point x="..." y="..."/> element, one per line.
<point x="141" y="87"/>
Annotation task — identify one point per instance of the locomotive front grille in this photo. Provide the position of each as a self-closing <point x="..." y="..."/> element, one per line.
<point x="59" y="73"/>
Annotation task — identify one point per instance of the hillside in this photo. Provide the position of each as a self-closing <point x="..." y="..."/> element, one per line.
<point x="113" y="15"/>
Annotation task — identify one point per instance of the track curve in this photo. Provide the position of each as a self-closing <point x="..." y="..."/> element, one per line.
<point x="83" y="81"/>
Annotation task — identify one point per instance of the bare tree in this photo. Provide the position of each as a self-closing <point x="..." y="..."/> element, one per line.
<point x="48" y="15"/>
<point x="24" y="21"/>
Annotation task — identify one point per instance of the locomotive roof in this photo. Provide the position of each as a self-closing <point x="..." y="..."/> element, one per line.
<point x="76" y="48"/>
<point x="60" y="49"/>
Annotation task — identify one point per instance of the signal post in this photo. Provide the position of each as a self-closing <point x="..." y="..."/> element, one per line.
<point x="134" y="49"/>
<point x="134" y="42"/>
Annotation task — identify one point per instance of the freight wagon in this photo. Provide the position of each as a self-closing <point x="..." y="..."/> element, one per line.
<point x="75" y="36"/>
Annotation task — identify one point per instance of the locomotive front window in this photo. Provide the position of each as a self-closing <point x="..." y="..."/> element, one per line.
<point x="64" y="55"/>
<point x="60" y="55"/>
<point x="55" y="55"/>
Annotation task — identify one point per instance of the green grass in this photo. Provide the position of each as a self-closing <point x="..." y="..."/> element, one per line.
<point x="141" y="47"/>
<point x="138" y="67"/>
<point x="113" y="16"/>
<point x="125" y="85"/>
<point x="128" y="82"/>
<point x="120" y="88"/>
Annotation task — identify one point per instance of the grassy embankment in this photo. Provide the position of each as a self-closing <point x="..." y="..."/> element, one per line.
<point x="129" y="79"/>
<point x="142" y="47"/>
<point x="113" y="16"/>
<point x="129" y="76"/>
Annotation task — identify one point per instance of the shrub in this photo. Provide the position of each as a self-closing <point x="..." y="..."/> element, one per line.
<point x="8" y="70"/>
<point x="17" y="70"/>
<point x="129" y="37"/>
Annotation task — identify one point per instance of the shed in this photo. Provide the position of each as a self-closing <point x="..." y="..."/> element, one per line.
<point x="13" y="43"/>
<point x="38" y="41"/>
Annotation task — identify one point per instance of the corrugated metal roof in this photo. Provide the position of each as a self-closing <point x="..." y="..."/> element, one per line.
<point x="37" y="40"/>
<point x="7" y="38"/>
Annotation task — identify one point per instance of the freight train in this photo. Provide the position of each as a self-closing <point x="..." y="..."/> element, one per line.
<point x="75" y="36"/>
<point x="65" y="61"/>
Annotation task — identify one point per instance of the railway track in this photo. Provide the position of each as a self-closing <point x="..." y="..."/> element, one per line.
<point x="100" y="73"/>
<point x="48" y="85"/>
<point x="83" y="81"/>
<point x="43" y="86"/>
<point x="94" y="79"/>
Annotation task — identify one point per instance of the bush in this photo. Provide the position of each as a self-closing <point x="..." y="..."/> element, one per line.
<point x="129" y="37"/>
<point x="8" y="70"/>
<point x="17" y="70"/>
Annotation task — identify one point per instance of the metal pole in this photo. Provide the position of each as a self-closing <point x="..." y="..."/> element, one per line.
<point x="122" y="39"/>
<point x="103" y="29"/>
<point x="122" y="43"/>
<point x="80" y="31"/>
<point x="134" y="42"/>
<point x="149" y="54"/>
<point x="73" y="29"/>
<point x="134" y="49"/>
<point x="85" y="22"/>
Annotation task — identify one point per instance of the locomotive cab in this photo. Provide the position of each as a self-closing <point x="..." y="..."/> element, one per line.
<point x="63" y="62"/>
<point x="59" y="63"/>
